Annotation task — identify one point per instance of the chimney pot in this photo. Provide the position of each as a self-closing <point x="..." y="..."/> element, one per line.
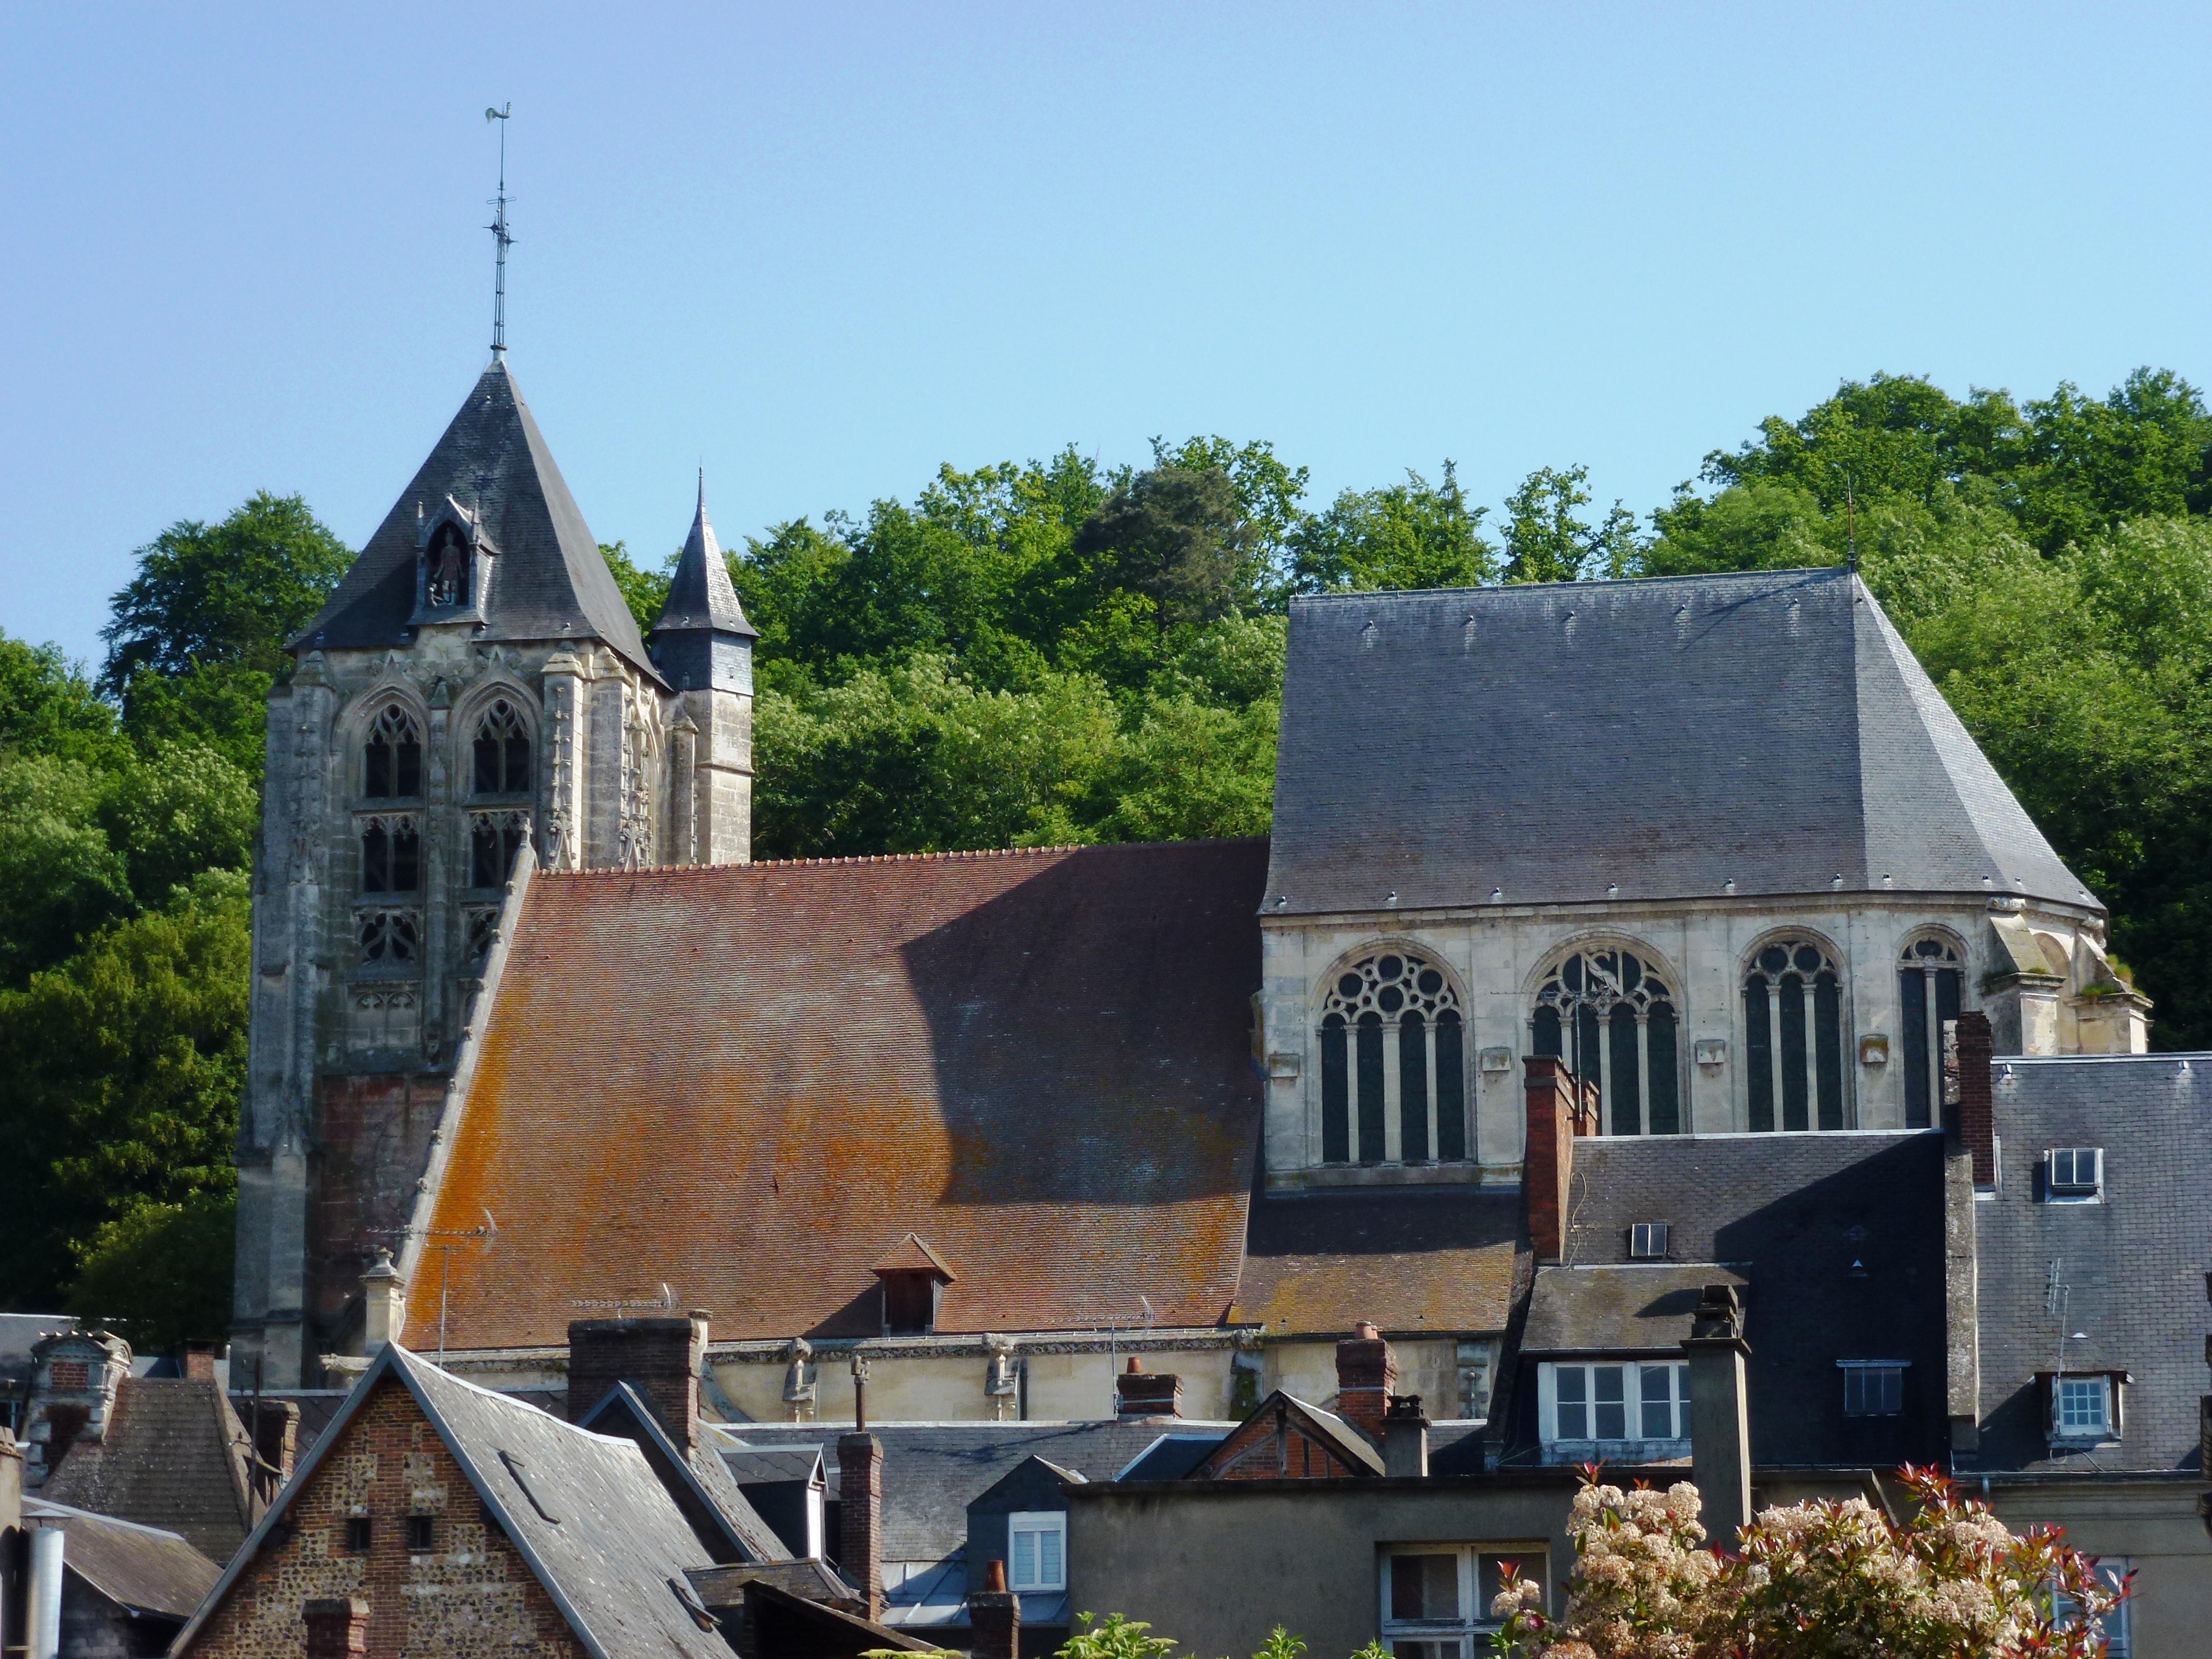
<point x="1136" y="1365"/>
<point x="1140" y="1393"/>
<point x="860" y="1516"/>
<point x="1405" y="1436"/>
<point x="994" y="1616"/>
<point x="1366" y="1373"/>
<point x="994" y="1576"/>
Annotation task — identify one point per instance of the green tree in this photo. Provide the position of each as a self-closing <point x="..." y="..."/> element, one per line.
<point x="1546" y="541"/>
<point x="161" y="1274"/>
<point x="1408" y="535"/>
<point x="59" y="878"/>
<point x="1175" y="537"/>
<point x="644" y="592"/>
<point x="47" y="707"/>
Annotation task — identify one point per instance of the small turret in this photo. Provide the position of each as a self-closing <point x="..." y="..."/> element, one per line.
<point x="704" y="647"/>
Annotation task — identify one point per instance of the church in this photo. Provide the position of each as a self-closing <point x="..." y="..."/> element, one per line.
<point x="983" y="1126"/>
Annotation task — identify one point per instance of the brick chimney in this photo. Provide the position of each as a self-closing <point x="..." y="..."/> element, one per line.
<point x="658" y="1358"/>
<point x="337" y="1628"/>
<point x="1405" y="1436"/>
<point x="994" y="1616"/>
<point x="860" y="1516"/>
<point x="199" y="1361"/>
<point x="1720" y="1420"/>
<point x="1366" y="1372"/>
<point x="1974" y="1131"/>
<point x="1140" y="1393"/>
<point x="1556" y="1116"/>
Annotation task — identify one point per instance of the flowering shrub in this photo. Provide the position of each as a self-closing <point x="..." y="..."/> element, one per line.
<point x="1818" y="1580"/>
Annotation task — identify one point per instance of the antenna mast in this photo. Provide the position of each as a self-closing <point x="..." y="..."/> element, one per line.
<point x="498" y="228"/>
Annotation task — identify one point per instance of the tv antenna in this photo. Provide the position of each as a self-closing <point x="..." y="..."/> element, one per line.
<point x="498" y="228"/>
<point x="444" y="1241"/>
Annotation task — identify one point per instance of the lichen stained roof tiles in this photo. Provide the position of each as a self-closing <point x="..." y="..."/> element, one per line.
<point x="1411" y="1260"/>
<point x="1634" y="740"/>
<point x="749" y="1082"/>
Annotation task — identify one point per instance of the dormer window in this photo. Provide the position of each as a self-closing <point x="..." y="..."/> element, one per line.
<point x="2074" y="1175"/>
<point x="912" y="1277"/>
<point x="1647" y="1241"/>
<point x="2082" y="1408"/>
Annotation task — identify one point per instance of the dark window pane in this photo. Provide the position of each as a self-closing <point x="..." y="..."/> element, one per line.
<point x="1610" y="1407"/>
<point x="518" y="765"/>
<point x="1573" y="1384"/>
<point x="406" y="861"/>
<point x="1658" y="1403"/>
<point x="1792" y="991"/>
<point x="376" y="861"/>
<point x="1547" y="1032"/>
<point x="1913" y="993"/>
<point x="422" y="1532"/>
<point x="1759" y="1054"/>
<point x="1451" y="1090"/>
<point x="487" y="765"/>
<point x="483" y="855"/>
<point x="411" y="767"/>
<point x="357" y="1534"/>
<point x="1587" y="1067"/>
<point x="1621" y="1084"/>
<point x="377" y="782"/>
<point x="1371" y="1089"/>
<point x="1828" y="1048"/>
<point x="1666" y="1084"/>
<point x="1424" y="1587"/>
<point x="1412" y="1090"/>
<point x="1335" y="1103"/>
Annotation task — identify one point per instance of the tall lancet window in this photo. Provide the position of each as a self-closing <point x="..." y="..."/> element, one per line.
<point x="1392" y="1064"/>
<point x="1793" y="1022"/>
<point x="1927" y="980"/>
<point x="391" y="760"/>
<point x="1612" y="1018"/>
<point x="503" y="752"/>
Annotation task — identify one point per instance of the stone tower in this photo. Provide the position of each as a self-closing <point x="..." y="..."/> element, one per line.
<point x="475" y="685"/>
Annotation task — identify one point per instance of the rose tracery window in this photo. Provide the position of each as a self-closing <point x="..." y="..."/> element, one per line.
<point x="1612" y="1018"/>
<point x="1793" y="1013"/>
<point x="1392" y="1064"/>
<point x="393" y="758"/>
<point x="390" y="937"/>
<point x="1928" y="981"/>
<point x="503" y="752"/>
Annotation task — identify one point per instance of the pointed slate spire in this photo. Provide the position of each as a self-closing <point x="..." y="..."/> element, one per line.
<point x="702" y="642"/>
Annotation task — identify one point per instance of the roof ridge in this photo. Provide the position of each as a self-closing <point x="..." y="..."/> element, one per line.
<point x="1370" y="594"/>
<point x="944" y="857"/>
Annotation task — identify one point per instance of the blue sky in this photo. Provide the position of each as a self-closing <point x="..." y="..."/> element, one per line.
<point x="822" y="249"/>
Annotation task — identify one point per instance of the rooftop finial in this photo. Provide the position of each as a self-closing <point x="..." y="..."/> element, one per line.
<point x="498" y="228"/>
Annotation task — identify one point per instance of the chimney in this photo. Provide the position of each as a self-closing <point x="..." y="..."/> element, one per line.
<point x="1556" y="1116"/>
<point x="1974" y="1131"/>
<point x="1366" y="1371"/>
<point x="337" y="1628"/>
<point x="1405" y="1437"/>
<point x="384" y="1300"/>
<point x="1720" y="1423"/>
<point x="658" y="1358"/>
<point x="1140" y="1393"/>
<point x="199" y="1361"/>
<point x="860" y="1516"/>
<point x="994" y="1616"/>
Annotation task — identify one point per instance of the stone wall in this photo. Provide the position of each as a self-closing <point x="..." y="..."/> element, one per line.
<point x="471" y="1596"/>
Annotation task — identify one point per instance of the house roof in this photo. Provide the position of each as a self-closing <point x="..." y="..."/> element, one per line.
<point x="2131" y="1267"/>
<point x="1662" y="737"/>
<point x="173" y="1455"/>
<point x="754" y="1468"/>
<point x="1839" y="1238"/>
<point x="733" y="1528"/>
<point x="144" y="1569"/>
<point x="1353" y="1448"/>
<point x="591" y="1519"/>
<point x="1411" y="1260"/>
<point x="932" y="1472"/>
<point x="911" y="1255"/>
<point x="1623" y="1308"/>
<point x="549" y="579"/>
<point x="1039" y="1061"/>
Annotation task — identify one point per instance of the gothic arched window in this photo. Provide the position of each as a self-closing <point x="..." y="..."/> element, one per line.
<point x="1793" y="1022"/>
<point x="393" y="759"/>
<point x="1927" y="981"/>
<point x="391" y="853"/>
<point x="503" y="752"/>
<point x="1613" y="1019"/>
<point x="1391" y="1046"/>
<point x="494" y="841"/>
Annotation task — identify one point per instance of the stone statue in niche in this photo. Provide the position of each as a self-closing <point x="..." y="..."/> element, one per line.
<point x="449" y="570"/>
<point x="1001" y="1380"/>
<point x="798" y="1380"/>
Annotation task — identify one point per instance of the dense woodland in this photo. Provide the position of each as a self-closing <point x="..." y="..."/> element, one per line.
<point x="1062" y="651"/>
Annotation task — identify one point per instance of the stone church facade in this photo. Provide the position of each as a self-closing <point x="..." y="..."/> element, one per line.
<point x="1717" y="842"/>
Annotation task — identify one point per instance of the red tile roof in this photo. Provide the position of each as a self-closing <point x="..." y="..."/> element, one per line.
<point x="750" y="1082"/>
<point x="911" y="1254"/>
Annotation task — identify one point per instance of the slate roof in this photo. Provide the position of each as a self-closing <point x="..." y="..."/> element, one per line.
<point x="932" y="1472"/>
<point x="142" y="1569"/>
<point x="711" y="1496"/>
<point x="1413" y="1262"/>
<point x="1040" y="1061"/>
<point x="1839" y="1238"/>
<point x="174" y="1455"/>
<point x="1664" y="736"/>
<point x="2133" y="1265"/>
<point x="1622" y="1308"/>
<point x="700" y="595"/>
<point x="549" y="580"/>
<point x="594" y="1523"/>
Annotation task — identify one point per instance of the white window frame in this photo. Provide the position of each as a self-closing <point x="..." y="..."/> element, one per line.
<point x="1040" y="1524"/>
<point x="1475" y="1623"/>
<point x="1632" y="1400"/>
<point x="1849" y="1366"/>
<point x="2074" y="1190"/>
<point x="1642" y="1235"/>
<point x="2117" y="1624"/>
<point x="2103" y="1430"/>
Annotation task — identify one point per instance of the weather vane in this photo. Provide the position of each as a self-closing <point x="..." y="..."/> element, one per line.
<point x="498" y="228"/>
